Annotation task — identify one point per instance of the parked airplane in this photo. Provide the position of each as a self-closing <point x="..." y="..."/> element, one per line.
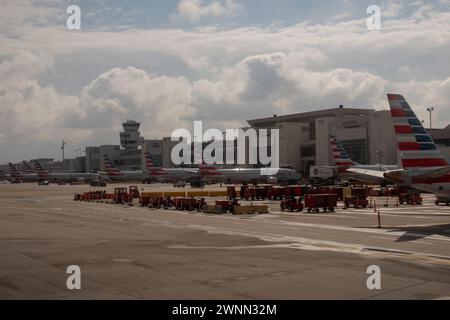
<point x="423" y="165"/>
<point x="5" y="175"/>
<point x="17" y="176"/>
<point x="115" y="174"/>
<point x="206" y="174"/>
<point x="27" y="168"/>
<point x="172" y="175"/>
<point x="64" y="176"/>
<point x="343" y="163"/>
<point x="248" y="175"/>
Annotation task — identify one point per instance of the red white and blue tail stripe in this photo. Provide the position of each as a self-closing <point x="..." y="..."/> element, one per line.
<point x="417" y="148"/>
<point x="340" y="156"/>
<point x="41" y="172"/>
<point x="110" y="168"/>
<point x="150" y="163"/>
<point x="27" y="168"/>
<point x="14" y="172"/>
<point x="151" y="166"/>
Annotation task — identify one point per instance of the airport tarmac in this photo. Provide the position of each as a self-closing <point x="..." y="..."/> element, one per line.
<point x="140" y="253"/>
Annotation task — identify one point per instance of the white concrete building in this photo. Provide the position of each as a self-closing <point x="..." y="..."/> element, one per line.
<point x="367" y="135"/>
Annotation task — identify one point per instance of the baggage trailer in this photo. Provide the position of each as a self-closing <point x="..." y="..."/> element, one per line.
<point x="134" y="192"/>
<point x="121" y="196"/>
<point x="155" y="202"/>
<point x="292" y="204"/>
<point x="226" y="205"/>
<point x="189" y="204"/>
<point x="326" y="202"/>
<point x="294" y="191"/>
<point x="442" y="199"/>
<point x="231" y="193"/>
<point x="340" y="193"/>
<point x="357" y="198"/>
<point x="356" y="202"/>
<point x="253" y="193"/>
<point x="406" y="195"/>
<point x="275" y="193"/>
<point x="411" y="198"/>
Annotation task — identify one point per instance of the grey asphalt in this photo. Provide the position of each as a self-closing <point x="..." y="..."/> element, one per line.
<point x="140" y="253"/>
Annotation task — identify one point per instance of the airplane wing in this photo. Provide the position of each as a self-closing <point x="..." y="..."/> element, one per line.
<point x="367" y="172"/>
<point x="436" y="173"/>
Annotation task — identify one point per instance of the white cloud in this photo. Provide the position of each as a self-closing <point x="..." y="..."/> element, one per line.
<point x="132" y="93"/>
<point x="196" y="10"/>
<point x="393" y="9"/>
<point x="227" y="76"/>
<point x="15" y="14"/>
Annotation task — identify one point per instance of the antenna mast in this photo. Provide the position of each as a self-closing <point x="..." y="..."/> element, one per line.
<point x="62" y="148"/>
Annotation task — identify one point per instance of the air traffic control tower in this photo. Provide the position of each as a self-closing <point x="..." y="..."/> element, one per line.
<point x="130" y="138"/>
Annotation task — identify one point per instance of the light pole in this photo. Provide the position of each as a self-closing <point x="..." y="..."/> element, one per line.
<point x="63" y="144"/>
<point x="430" y="110"/>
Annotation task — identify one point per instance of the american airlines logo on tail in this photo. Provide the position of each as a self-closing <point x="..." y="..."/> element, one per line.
<point x="416" y="146"/>
<point x="41" y="172"/>
<point x="27" y="168"/>
<point x="152" y="167"/>
<point x="340" y="156"/>
<point x="150" y="162"/>
<point x="110" y="168"/>
<point x="13" y="172"/>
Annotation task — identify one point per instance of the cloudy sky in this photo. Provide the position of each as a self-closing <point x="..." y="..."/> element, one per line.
<point x="168" y="63"/>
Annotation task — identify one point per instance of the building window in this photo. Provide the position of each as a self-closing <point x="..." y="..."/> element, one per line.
<point x="357" y="150"/>
<point x="312" y="131"/>
<point x="443" y="142"/>
<point x="308" y="151"/>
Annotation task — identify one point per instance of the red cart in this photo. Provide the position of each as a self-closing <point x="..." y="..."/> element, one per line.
<point x="326" y="202"/>
<point x="291" y="204"/>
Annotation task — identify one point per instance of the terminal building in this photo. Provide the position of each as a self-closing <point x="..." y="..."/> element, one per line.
<point x="442" y="138"/>
<point x="366" y="134"/>
<point x="126" y="156"/>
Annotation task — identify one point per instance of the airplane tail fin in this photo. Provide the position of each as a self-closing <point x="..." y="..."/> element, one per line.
<point x="28" y="168"/>
<point x="110" y="168"/>
<point x="340" y="156"/>
<point x="152" y="167"/>
<point x="14" y="172"/>
<point x="42" y="173"/>
<point x="417" y="148"/>
<point x="150" y="162"/>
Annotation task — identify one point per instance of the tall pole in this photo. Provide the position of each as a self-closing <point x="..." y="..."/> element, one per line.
<point x="430" y="110"/>
<point x="62" y="149"/>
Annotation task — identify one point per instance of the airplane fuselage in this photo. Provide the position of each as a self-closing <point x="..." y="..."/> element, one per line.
<point x="175" y="174"/>
<point x="249" y="175"/>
